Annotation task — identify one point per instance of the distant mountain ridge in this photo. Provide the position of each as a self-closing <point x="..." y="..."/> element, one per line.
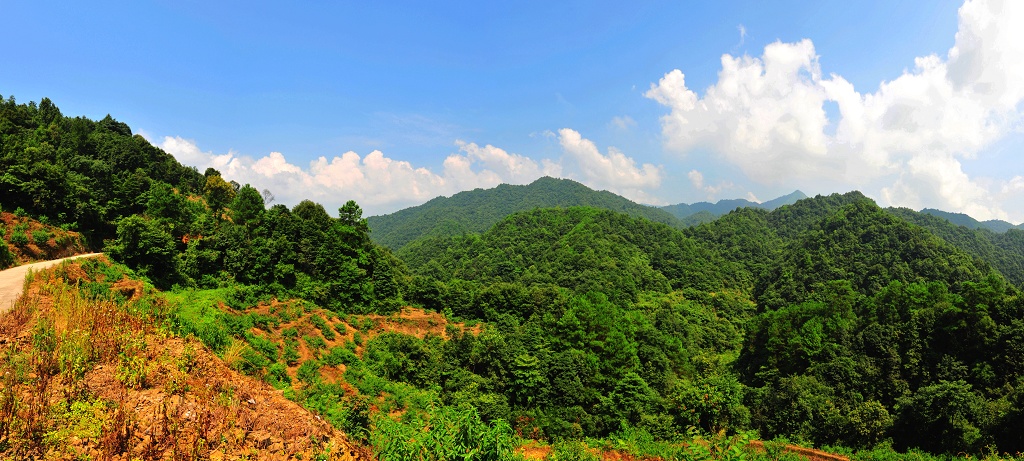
<point x="477" y="210"/>
<point x="702" y="210"/>
<point x="995" y="225"/>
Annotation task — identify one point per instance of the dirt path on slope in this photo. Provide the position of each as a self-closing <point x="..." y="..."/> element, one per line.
<point x="12" y="280"/>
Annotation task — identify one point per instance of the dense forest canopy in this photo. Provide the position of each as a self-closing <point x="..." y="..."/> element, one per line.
<point x="828" y="321"/>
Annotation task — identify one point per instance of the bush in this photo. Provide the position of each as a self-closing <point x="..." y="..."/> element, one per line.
<point x="449" y="433"/>
<point x="6" y="258"/>
<point x="309" y="372"/>
<point x="339" y="355"/>
<point x="315" y="344"/>
<point x="322" y="325"/>
<point x="277" y="376"/>
<point x="572" y="450"/>
<point x="40" y="236"/>
<point x="265" y="346"/>
<point x="19" y="238"/>
<point x="291" y="351"/>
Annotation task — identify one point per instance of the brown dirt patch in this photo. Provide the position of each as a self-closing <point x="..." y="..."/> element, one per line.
<point x="156" y="396"/>
<point x="59" y="243"/>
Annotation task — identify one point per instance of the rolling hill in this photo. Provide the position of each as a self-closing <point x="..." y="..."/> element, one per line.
<point x="477" y="210"/>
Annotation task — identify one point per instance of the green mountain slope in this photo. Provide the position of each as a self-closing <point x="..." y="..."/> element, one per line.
<point x="477" y="210"/>
<point x="583" y="249"/>
<point x="1003" y="251"/>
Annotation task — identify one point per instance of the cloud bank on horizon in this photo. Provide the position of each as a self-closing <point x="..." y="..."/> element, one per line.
<point x="904" y="143"/>
<point x="381" y="184"/>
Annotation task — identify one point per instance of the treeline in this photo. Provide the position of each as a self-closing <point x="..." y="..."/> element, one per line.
<point x="227" y="237"/>
<point x="77" y="172"/>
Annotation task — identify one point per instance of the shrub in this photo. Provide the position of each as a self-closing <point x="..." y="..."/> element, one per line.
<point x="19" y="238"/>
<point x="40" y="236"/>
<point x="339" y="355"/>
<point x="291" y="351"/>
<point x="6" y="258"/>
<point x="448" y="433"/>
<point x="315" y="344"/>
<point x="277" y="376"/>
<point x="265" y="346"/>
<point x="322" y="325"/>
<point x="309" y="372"/>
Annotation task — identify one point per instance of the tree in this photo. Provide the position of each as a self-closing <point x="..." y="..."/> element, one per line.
<point x="144" y="246"/>
<point x="218" y="192"/>
<point x="247" y="206"/>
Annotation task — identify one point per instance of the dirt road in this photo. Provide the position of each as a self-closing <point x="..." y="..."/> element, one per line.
<point x="13" y="280"/>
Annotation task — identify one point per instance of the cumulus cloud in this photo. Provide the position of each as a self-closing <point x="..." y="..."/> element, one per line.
<point x="511" y="168"/>
<point x="712" y="191"/>
<point x="766" y="116"/>
<point x="614" y="171"/>
<point x="381" y="184"/>
<point x="377" y="183"/>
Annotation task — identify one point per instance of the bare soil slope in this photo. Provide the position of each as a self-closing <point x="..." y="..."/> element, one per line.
<point x="90" y="373"/>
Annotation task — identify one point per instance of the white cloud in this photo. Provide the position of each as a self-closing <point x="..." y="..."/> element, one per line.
<point x="511" y="168"/>
<point x="377" y="183"/>
<point x="696" y="178"/>
<point x="766" y="115"/>
<point x="615" y="171"/>
<point x="713" y="191"/>
<point x="381" y="184"/>
<point x="622" y="122"/>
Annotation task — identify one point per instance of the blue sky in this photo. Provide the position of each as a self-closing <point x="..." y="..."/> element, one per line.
<point x="393" y="104"/>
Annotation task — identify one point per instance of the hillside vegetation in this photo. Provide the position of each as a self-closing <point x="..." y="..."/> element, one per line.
<point x="477" y="210"/>
<point x="25" y="240"/>
<point x="555" y="328"/>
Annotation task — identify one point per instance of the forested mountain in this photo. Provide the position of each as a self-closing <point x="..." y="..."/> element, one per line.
<point x="583" y="249"/>
<point x="721" y="207"/>
<point x="853" y="326"/>
<point x="477" y="210"/>
<point x="1003" y="251"/>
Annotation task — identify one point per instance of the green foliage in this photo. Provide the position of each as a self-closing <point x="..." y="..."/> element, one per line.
<point x="339" y="355"/>
<point x="314" y="343"/>
<point x="6" y="257"/>
<point x="218" y="193"/>
<point x="322" y="325"/>
<point x="79" y="171"/>
<point x="40" y="237"/>
<point x="476" y="211"/>
<point x="572" y="450"/>
<point x="143" y="245"/>
<point x="583" y="249"/>
<point x="19" y="238"/>
<point x="309" y="372"/>
<point x="277" y="376"/>
<point x="449" y="433"/>
<point x="247" y="207"/>
<point x="81" y="419"/>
